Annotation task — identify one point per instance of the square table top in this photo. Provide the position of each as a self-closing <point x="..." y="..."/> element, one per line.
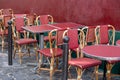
<point x="39" y="29"/>
<point x="49" y="27"/>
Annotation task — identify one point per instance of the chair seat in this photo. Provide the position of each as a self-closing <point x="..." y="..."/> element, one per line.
<point x="46" y="52"/>
<point x="25" y="41"/>
<point x="5" y="33"/>
<point x="46" y="38"/>
<point x="84" y="63"/>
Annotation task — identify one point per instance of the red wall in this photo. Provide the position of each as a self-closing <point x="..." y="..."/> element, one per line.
<point x="88" y="12"/>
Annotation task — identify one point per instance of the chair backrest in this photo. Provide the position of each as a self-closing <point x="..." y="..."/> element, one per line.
<point x="103" y="36"/>
<point x="77" y="38"/>
<point x="6" y="18"/>
<point x="89" y="34"/>
<point x="31" y="19"/>
<point x="60" y="37"/>
<point x="44" y="19"/>
<point x="4" y="23"/>
<point x="18" y="23"/>
<point x="7" y="11"/>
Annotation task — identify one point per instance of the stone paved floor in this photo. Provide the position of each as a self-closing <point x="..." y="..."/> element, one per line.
<point x="27" y="72"/>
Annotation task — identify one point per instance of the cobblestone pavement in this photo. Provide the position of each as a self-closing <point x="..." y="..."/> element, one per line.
<point x="26" y="71"/>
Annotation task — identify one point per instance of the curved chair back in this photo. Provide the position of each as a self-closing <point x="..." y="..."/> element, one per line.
<point x="89" y="34"/>
<point x="7" y="11"/>
<point x="18" y="23"/>
<point x="44" y="19"/>
<point x="31" y="19"/>
<point x="103" y="36"/>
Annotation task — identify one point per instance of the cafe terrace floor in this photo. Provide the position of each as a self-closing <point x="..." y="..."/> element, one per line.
<point x="26" y="71"/>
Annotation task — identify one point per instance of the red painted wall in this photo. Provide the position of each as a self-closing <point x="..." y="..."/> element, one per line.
<point x="87" y="12"/>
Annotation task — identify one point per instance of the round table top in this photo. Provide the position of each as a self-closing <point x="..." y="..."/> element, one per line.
<point x="118" y="42"/>
<point x="102" y="52"/>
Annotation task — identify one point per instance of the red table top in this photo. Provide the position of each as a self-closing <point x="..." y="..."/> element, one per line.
<point x="118" y="42"/>
<point x="39" y="29"/>
<point x="66" y="25"/>
<point x="102" y="52"/>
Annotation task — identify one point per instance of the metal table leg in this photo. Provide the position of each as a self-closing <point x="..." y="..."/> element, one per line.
<point x="41" y="46"/>
<point x="105" y="70"/>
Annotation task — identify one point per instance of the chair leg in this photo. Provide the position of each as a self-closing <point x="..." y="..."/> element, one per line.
<point x="78" y="53"/>
<point x="57" y="63"/>
<point x="96" y="72"/>
<point x="69" y="75"/>
<point x="79" y="73"/>
<point x="20" y="54"/>
<point x="40" y="63"/>
<point x="69" y="56"/>
<point x="15" y="48"/>
<point x="51" y="68"/>
<point x="2" y="43"/>
<point x="35" y="48"/>
<point x="28" y="50"/>
<point x="109" y="67"/>
<point x="45" y="44"/>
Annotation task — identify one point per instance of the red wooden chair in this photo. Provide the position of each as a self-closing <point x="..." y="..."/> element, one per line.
<point x="103" y="36"/>
<point x="76" y="43"/>
<point x="44" y="19"/>
<point x="4" y="28"/>
<point x="53" y="53"/>
<point x="18" y="23"/>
